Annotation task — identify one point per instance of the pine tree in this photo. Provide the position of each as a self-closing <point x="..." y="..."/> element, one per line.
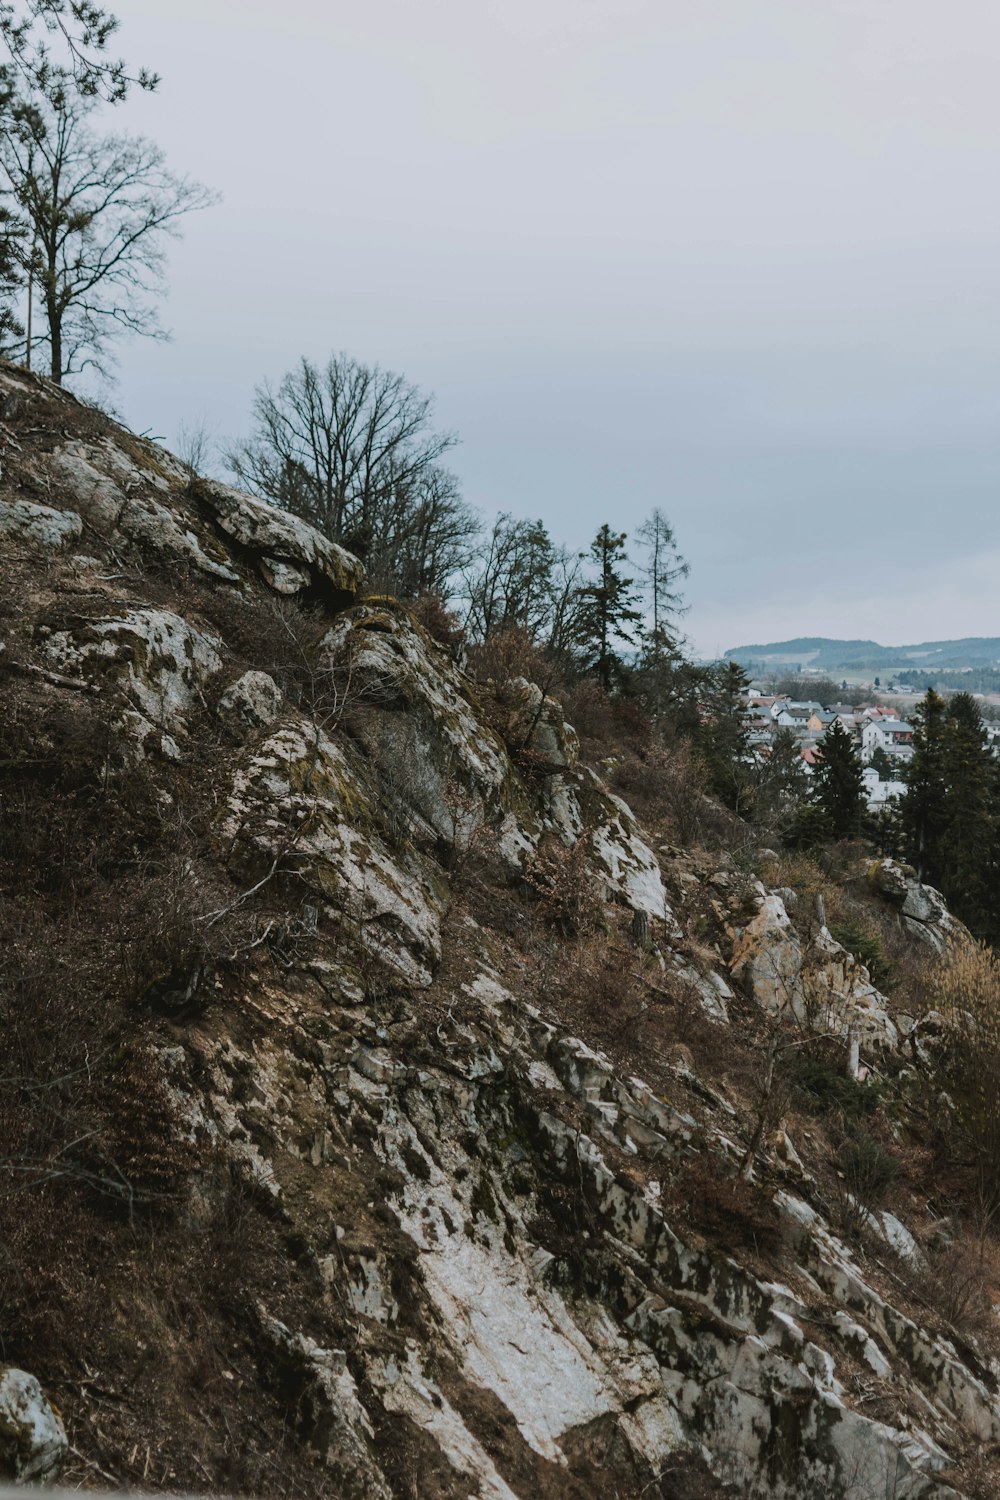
<point x="923" y="811"/>
<point x="838" y="782"/>
<point x="968" y="841"/>
<point x="605" y="610"/>
<point x="723" y="735"/>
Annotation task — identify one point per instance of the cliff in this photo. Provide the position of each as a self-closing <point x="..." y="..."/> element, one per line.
<point x="386" y="1113"/>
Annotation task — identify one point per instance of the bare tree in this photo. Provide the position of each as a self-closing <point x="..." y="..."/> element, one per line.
<point x="334" y="444"/>
<point x="196" y="446"/>
<point x="421" y="536"/>
<point x="351" y="448"/>
<point x="99" y="210"/>
<point x="523" y="581"/>
<point x="664" y="568"/>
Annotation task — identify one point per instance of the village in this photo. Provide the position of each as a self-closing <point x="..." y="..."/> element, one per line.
<point x="883" y="738"/>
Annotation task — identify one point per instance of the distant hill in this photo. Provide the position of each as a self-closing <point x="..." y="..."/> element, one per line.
<point x="820" y="652"/>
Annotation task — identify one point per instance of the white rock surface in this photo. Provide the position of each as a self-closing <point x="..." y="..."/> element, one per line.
<point x="33" y="1442"/>
<point x="282" y="540"/>
<point x="252" y="701"/>
<point x="41" y="524"/>
<point x="155" y="658"/>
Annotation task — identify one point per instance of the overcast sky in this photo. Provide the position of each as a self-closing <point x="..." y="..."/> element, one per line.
<point x="736" y="258"/>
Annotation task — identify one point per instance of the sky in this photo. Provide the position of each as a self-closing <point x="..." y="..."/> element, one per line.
<point x="737" y="260"/>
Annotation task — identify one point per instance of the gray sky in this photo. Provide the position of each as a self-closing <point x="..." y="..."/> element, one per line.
<point x="737" y="259"/>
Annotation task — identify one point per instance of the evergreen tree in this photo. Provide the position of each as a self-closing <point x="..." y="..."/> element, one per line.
<point x="722" y="737"/>
<point x="968" y="841"/>
<point x="782" y="781"/>
<point x="605" y="609"/>
<point x="838" y="782"/>
<point x="923" y="810"/>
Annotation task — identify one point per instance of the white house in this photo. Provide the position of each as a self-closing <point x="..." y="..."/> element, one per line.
<point x="890" y="735"/>
<point x="877" y="792"/>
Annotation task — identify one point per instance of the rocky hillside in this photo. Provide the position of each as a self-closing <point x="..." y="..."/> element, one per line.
<point x="384" y="1112"/>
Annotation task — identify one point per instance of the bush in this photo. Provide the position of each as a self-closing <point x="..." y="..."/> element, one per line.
<point x="958" y="1284"/>
<point x="864" y="940"/>
<point x="725" y="1207"/>
<point x="438" y="621"/>
<point x="966" y="985"/>
<point x="868" y="1168"/>
<point x="824" y="1088"/>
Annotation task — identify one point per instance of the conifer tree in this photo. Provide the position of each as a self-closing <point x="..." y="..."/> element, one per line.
<point x="605" y="609"/>
<point x="968" y="842"/>
<point x="923" y="810"/>
<point x="723" y="735"/>
<point x="663" y="570"/>
<point x="838" y="782"/>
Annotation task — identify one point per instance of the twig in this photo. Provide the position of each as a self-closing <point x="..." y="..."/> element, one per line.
<point x="57" y="679"/>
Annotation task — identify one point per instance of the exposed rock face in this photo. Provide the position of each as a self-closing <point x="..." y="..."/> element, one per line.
<point x="158" y="664"/>
<point x="819" y="984"/>
<point x="292" y="554"/>
<point x="251" y="702"/>
<point x="33" y="1440"/>
<point x="503" y="1295"/>
<point x="296" y="804"/>
<point x="922" y="909"/>
<point x="537" y="724"/>
<point x="48" y="528"/>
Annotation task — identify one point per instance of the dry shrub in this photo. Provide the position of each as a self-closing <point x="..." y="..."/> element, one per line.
<point x="666" y="785"/>
<point x="511" y="653"/>
<point x="967" y="986"/>
<point x="439" y="622"/>
<point x="606" y="722"/>
<point x="266" y="633"/>
<point x="959" y="1285"/>
<point x="725" y="1208"/>
<point x="560" y="879"/>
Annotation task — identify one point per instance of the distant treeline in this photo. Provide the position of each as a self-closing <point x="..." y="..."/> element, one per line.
<point x="970" y="680"/>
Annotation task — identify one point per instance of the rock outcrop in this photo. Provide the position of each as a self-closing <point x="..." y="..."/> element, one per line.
<point x="502" y="1291"/>
<point x="923" y="910"/>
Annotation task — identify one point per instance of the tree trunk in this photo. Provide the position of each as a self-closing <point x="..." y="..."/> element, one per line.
<point x="55" y="340"/>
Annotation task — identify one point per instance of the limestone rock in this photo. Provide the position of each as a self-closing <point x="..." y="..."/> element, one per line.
<point x="536" y="723"/>
<point x="86" y="489"/>
<point x="821" y="985"/>
<point x="839" y="996"/>
<point x="155" y="658"/>
<point x="330" y="1410"/>
<point x="296" y="805"/>
<point x="144" y="519"/>
<point x="767" y="958"/>
<point x="290" y="550"/>
<point x="33" y="1442"/>
<point x="923" y="910"/>
<point x="252" y="701"/>
<point x="47" y="528"/>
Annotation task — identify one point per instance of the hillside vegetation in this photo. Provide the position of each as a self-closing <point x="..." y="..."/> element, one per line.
<point x="409" y="1094"/>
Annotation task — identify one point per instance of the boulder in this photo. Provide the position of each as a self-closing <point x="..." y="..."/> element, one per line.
<point x="33" y="1442"/>
<point x="94" y="495"/>
<point x="820" y="985"/>
<point x="291" y="554"/>
<point x="767" y="958"/>
<point x="251" y="702"/>
<point x="158" y="662"/>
